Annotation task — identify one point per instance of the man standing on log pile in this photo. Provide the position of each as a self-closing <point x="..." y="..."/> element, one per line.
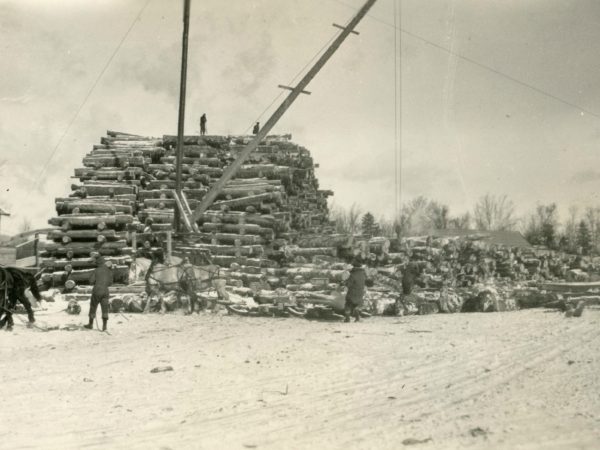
<point x="203" y="124"/>
<point x="356" y="291"/>
<point x="256" y="128"/>
<point x="102" y="278"/>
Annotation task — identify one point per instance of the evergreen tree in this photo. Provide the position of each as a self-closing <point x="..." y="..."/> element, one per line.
<point x="369" y="226"/>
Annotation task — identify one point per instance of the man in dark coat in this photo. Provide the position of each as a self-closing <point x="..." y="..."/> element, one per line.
<point x="203" y="124"/>
<point x="356" y="291"/>
<point x="102" y="278"/>
<point x="256" y="128"/>
<point x="409" y="278"/>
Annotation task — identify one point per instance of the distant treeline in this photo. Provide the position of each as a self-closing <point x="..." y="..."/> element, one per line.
<point x="580" y="233"/>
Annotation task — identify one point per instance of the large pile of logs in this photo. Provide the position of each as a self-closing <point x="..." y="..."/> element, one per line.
<point x="126" y="185"/>
<point x="100" y="213"/>
<point x="268" y="228"/>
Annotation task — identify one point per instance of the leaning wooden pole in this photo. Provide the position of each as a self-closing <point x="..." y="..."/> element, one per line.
<point x="211" y="195"/>
<point x="181" y="119"/>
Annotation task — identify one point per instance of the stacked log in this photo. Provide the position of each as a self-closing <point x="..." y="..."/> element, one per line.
<point x="96" y="218"/>
<point x="271" y="215"/>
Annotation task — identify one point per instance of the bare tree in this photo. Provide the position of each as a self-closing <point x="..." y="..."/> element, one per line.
<point x="569" y="239"/>
<point x="462" y="222"/>
<point x="346" y="221"/>
<point x="494" y="213"/>
<point x="592" y="218"/>
<point x="439" y="215"/>
<point x="354" y="214"/>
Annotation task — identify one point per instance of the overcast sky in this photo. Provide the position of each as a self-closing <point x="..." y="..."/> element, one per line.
<point x="465" y="129"/>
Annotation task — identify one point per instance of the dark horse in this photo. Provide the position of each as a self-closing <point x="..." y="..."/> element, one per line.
<point x="13" y="282"/>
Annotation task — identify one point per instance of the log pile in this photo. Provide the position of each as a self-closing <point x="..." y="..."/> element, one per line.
<point x="126" y="184"/>
<point x="268" y="229"/>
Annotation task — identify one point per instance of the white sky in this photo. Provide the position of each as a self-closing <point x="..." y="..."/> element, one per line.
<point x="466" y="131"/>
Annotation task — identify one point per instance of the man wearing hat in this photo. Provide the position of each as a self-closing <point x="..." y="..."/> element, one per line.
<point x="102" y="278"/>
<point x="356" y="291"/>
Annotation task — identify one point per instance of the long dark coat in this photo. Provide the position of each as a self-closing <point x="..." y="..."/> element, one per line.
<point x="356" y="286"/>
<point x="102" y="278"/>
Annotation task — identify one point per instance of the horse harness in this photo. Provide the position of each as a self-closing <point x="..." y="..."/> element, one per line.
<point x="181" y="275"/>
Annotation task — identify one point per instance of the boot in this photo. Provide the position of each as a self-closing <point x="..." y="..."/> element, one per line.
<point x="104" y="324"/>
<point x="90" y="325"/>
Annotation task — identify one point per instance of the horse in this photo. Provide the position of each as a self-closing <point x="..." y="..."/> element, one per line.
<point x="6" y="287"/>
<point x="181" y="277"/>
<point x="13" y="283"/>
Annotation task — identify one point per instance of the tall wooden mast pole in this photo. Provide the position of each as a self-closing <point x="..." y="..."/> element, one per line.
<point x="181" y="120"/>
<point x="230" y="171"/>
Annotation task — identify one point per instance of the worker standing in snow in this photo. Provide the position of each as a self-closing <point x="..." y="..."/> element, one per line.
<point x="102" y="278"/>
<point x="356" y="291"/>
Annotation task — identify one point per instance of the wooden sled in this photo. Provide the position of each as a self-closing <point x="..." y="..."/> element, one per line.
<point x="260" y="311"/>
<point x="323" y="313"/>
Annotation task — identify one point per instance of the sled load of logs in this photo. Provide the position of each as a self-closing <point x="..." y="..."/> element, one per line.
<point x="268" y="229"/>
